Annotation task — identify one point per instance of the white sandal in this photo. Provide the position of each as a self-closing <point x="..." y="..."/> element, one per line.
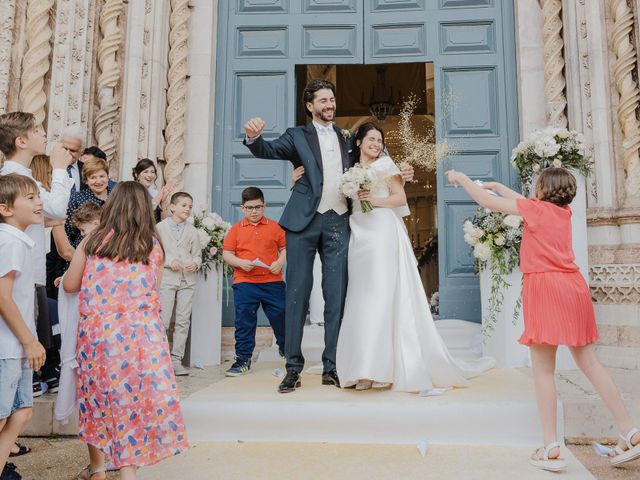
<point x="363" y="385"/>
<point x="91" y="472"/>
<point x="628" y="454"/>
<point x="546" y="463"/>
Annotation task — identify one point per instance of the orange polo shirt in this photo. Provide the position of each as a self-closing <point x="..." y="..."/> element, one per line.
<point x="249" y="242"/>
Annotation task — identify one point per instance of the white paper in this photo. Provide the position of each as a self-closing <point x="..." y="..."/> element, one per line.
<point x="480" y="183"/>
<point x="434" y="392"/>
<point x="423" y="447"/>
<point x="259" y="263"/>
<point x="602" y="450"/>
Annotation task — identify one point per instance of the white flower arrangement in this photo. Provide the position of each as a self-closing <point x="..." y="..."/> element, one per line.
<point x="358" y="177"/>
<point x="495" y="240"/>
<point x="211" y="230"/>
<point x="550" y="147"/>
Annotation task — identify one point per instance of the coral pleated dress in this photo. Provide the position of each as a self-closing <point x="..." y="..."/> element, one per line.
<point x="555" y="296"/>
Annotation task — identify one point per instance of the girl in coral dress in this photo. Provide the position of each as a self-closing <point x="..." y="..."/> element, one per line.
<point x="129" y="404"/>
<point x="557" y="304"/>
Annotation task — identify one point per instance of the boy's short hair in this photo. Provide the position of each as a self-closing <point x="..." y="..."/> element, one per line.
<point x="12" y="126"/>
<point x="178" y="195"/>
<point x="252" y="193"/>
<point x="13" y="185"/>
<point x="85" y="213"/>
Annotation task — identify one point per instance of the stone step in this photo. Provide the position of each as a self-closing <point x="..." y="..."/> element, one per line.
<point x="498" y="409"/>
<point x="315" y="461"/>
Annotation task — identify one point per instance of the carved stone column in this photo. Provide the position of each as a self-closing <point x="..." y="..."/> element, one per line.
<point x="71" y="72"/>
<point x="554" y="62"/>
<point x="627" y="86"/>
<point x="177" y="93"/>
<point x="7" y="22"/>
<point x="35" y="64"/>
<point x="106" y="119"/>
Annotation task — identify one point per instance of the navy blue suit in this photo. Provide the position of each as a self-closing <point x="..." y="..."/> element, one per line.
<point x="308" y="231"/>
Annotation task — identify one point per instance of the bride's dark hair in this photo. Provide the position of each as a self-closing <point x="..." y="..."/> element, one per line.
<point x="360" y="134"/>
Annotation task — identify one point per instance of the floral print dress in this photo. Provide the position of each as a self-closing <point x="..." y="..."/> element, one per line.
<point x="129" y="404"/>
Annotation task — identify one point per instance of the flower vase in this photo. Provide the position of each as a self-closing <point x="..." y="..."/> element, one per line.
<point x="501" y="342"/>
<point x="206" y="320"/>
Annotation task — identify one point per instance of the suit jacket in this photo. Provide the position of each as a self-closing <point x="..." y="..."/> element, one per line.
<point x="300" y="146"/>
<point x="185" y="251"/>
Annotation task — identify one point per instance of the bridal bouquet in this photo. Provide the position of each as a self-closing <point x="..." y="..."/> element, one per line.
<point x="211" y="232"/>
<point x="550" y="147"/>
<point x="495" y="241"/>
<point x="358" y="177"/>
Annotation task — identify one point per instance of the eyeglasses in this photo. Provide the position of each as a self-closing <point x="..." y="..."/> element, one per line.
<point x="250" y="208"/>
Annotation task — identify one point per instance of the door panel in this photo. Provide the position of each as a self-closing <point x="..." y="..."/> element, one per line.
<point x="471" y="43"/>
<point x="475" y="72"/>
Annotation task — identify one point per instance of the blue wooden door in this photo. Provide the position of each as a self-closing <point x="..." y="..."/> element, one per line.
<point x="471" y="43"/>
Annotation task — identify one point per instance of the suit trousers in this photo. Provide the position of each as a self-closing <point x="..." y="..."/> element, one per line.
<point x="328" y="234"/>
<point x="181" y="296"/>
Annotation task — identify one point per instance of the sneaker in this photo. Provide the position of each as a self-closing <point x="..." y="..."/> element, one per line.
<point x="239" y="367"/>
<point x="37" y="389"/>
<point x="179" y="370"/>
<point x="9" y="473"/>
<point x="53" y="384"/>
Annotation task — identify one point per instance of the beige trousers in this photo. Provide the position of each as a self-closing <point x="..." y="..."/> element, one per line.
<point x="180" y="296"/>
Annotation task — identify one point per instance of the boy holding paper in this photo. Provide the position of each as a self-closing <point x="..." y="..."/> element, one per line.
<point x="255" y="248"/>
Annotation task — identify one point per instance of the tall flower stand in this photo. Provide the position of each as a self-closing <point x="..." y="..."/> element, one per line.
<point x="501" y="343"/>
<point x="206" y="320"/>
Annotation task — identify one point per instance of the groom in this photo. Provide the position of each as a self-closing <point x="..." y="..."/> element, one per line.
<point x="316" y="218"/>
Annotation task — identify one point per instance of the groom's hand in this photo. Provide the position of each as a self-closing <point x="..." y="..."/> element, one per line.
<point x="254" y="127"/>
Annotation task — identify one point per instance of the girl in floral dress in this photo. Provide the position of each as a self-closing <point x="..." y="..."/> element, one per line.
<point x="129" y="404"/>
<point x="556" y="303"/>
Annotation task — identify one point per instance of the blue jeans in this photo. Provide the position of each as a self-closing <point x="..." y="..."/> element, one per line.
<point x="247" y="298"/>
<point x="16" y="390"/>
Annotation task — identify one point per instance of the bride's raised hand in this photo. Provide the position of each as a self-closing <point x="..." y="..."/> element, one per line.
<point x="297" y="174"/>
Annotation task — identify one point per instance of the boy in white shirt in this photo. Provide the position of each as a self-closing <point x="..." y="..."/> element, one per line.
<point x="182" y="258"/>
<point x="20" y="351"/>
<point x="20" y="141"/>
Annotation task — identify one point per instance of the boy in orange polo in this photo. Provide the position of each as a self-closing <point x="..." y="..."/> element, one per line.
<point x="255" y="248"/>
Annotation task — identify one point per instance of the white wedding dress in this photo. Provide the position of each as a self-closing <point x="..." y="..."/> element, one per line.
<point x="387" y="333"/>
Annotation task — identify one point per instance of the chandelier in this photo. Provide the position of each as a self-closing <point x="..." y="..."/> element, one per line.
<point x="381" y="101"/>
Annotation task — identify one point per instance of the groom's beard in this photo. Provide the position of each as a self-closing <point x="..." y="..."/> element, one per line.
<point x="327" y="115"/>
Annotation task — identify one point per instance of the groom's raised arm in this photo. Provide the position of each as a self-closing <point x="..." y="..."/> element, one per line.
<point x="281" y="148"/>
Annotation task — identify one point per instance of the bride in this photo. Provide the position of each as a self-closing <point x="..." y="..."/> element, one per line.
<point x="387" y="336"/>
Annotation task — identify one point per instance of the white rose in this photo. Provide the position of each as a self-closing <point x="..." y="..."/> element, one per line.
<point x="478" y="232"/>
<point x="499" y="240"/>
<point x="208" y="222"/>
<point x="563" y="133"/>
<point x="470" y="239"/>
<point x="349" y="189"/>
<point x="482" y="251"/>
<point x="467" y="227"/>
<point x="557" y="163"/>
<point x="536" y="167"/>
<point x="512" y="221"/>
<point x="204" y="238"/>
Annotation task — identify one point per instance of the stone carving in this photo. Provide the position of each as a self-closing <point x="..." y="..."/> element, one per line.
<point x="625" y="66"/>
<point x="35" y="64"/>
<point x="554" y="80"/>
<point x="615" y="283"/>
<point x="177" y="93"/>
<point x="106" y="119"/>
<point x="7" y="21"/>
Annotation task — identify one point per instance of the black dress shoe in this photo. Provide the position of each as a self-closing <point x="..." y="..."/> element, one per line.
<point x="330" y="378"/>
<point x="290" y="382"/>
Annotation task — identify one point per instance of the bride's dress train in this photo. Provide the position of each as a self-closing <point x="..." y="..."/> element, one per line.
<point x="388" y="334"/>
